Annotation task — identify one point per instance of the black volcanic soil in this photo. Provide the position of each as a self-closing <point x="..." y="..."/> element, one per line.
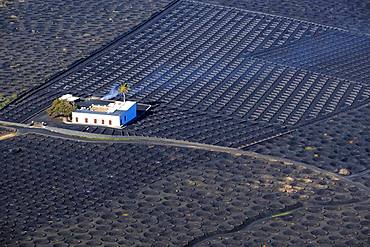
<point x="57" y="192"/>
<point x="40" y="38"/>
<point x="341" y="142"/>
<point x="352" y="15"/>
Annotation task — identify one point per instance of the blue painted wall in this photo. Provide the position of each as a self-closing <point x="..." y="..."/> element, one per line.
<point x="129" y="115"/>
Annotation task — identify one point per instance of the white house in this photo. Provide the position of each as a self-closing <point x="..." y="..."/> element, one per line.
<point x="104" y="113"/>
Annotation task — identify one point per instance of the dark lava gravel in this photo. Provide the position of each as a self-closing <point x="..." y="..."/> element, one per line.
<point x="190" y="125"/>
<point x="40" y="38"/>
<point x="201" y="56"/>
<point x="353" y="15"/>
<point x="339" y="142"/>
<point x="58" y="193"/>
<point x="344" y="225"/>
<point x="66" y="193"/>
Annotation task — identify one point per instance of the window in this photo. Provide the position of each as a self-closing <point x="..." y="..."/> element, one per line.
<point x="102" y="121"/>
<point x="110" y="122"/>
<point x="76" y="119"/>
<point x="86" y="120"/>
<point x="95" y="121"/>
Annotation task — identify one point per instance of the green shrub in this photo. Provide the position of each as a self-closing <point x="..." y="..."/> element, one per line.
<point x="61" y="108"/>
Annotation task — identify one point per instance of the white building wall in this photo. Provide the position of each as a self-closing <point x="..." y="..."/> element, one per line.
<point x="99" y="117"/>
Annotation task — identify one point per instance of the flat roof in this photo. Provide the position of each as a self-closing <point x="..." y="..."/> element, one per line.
<point x="115" y="113"/>
<point x="113" y="107"/>
<point x="122" y="106"/>
<point x="90" y="102"/>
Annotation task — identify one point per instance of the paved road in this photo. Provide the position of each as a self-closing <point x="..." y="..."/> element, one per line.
<point x="100" y="138"/>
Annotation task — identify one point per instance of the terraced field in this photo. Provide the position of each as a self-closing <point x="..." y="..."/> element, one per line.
<point x="333" y="144"/>
<point x="350" y="15"/>
<point x="126" y="194"/>
<point x="211" y="59"/>
<point x="41" y="38"/>
<point x="223" y="75"/>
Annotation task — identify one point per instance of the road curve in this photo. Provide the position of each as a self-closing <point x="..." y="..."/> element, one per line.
<point x="74" y="135"/>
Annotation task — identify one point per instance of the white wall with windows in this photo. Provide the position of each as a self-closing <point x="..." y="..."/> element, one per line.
<point x="96" y="119"/>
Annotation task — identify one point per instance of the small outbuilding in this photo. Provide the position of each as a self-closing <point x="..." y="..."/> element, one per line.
<point x="69" y="98"/>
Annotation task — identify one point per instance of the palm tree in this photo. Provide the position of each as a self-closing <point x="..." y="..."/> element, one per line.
<point x="123" y="89"/>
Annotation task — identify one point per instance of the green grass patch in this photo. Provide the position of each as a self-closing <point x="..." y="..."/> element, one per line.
<point x="5" y="100"/>
<point x="281" y="214"/>
<point x="309" y="148"/>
